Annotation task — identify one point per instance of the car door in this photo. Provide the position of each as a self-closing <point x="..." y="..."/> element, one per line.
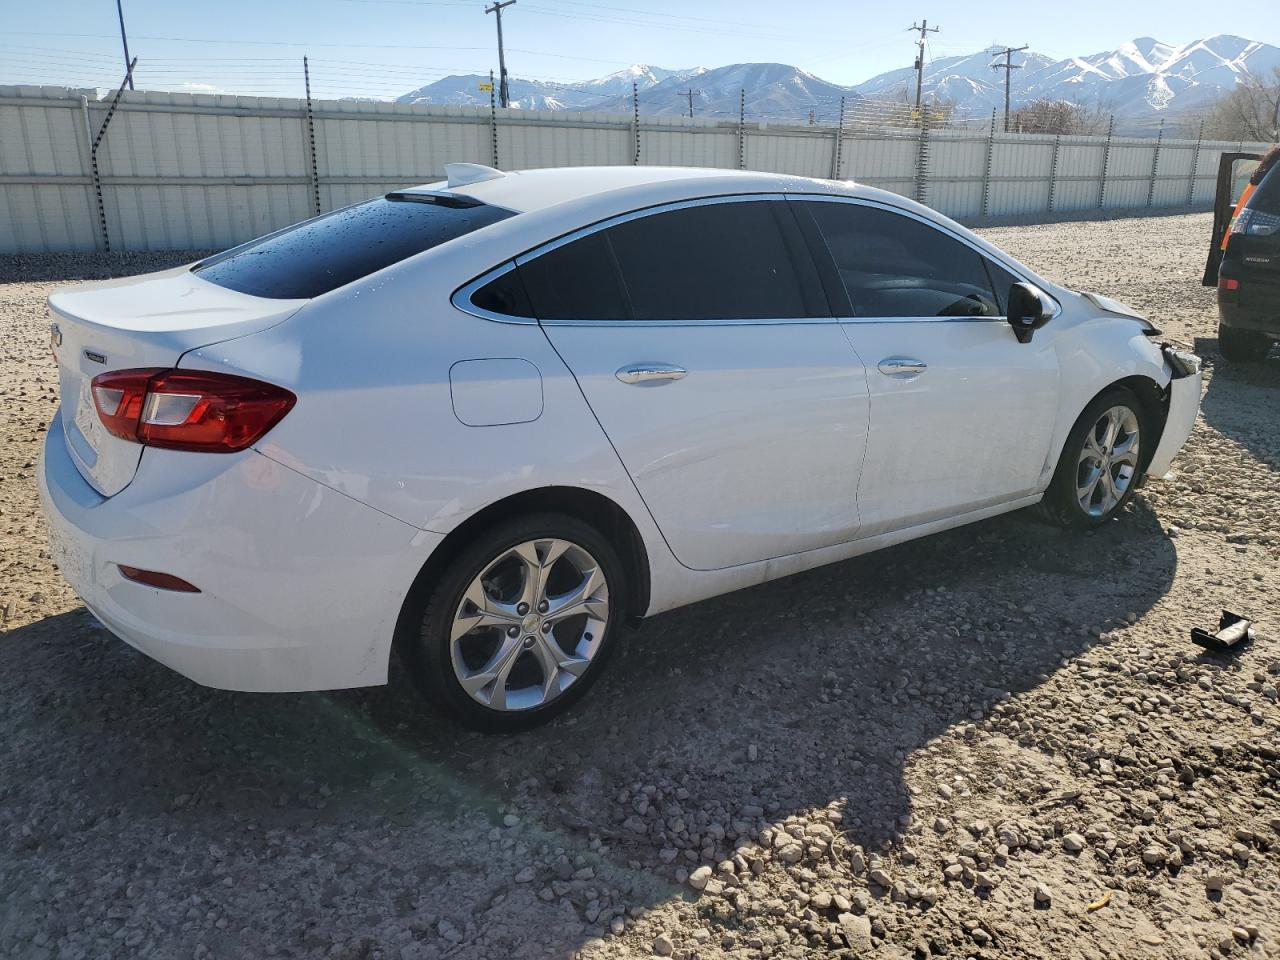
<point x="702" y="339"/>
<point x="961" y="412"/>
<point x="1234" y="171"/>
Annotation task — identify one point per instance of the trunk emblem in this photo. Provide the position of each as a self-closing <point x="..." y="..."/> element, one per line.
<point x="55" y="335"/>
<point x="95" y="357"/>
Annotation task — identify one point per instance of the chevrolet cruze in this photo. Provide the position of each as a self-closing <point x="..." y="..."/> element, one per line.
<point x="489" y="420"/>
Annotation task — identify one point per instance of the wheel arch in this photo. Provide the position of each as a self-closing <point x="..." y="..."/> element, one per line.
<point x="1155" y="408"/>
<point x="589" y="506"/>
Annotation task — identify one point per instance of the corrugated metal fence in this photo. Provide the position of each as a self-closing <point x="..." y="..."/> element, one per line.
<point x="179" y="171"/>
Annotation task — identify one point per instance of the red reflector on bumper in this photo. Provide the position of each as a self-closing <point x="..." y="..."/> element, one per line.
<point x="164" y="581"/>
<point x="1228" y="283"/>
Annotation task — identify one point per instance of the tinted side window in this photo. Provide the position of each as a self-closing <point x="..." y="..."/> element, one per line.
<point x="319" y="255"/>
<point x="894" y="266"/>
<point x="504" y="294"/>
<point x="578" y="281"/>
<point x="741" y="260"/>
<point x="1001" y="280"/>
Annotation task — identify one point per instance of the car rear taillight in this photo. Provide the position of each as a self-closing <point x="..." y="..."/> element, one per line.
<point x="1255" y="223"/>
<point x="1228" y="283"/>
<point x="189" y="409"/>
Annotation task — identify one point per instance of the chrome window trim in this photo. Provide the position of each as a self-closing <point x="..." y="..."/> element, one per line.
<point x="461" y="297"/>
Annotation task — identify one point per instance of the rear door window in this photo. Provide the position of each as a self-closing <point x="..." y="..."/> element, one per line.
<point x="576" y="281"/>
<point x="740" y="260"/>
<point x="319" y="255"/>
<point x="896" y="266"/>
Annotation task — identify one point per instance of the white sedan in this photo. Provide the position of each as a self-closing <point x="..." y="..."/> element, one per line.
<point x="488" y="420"/>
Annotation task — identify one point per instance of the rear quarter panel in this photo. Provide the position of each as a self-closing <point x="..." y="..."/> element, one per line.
<point x="370" y="364"/>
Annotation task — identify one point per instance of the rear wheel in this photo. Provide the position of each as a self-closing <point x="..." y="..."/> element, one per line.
<point x="520" y="624"/>
<point x="1099" y="469"/>
<point x="1243" y="346"/>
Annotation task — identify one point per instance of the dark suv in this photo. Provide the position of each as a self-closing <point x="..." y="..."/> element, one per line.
<point x="1248" y="274"/>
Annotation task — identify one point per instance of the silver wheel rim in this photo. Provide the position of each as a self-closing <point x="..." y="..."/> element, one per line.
<point x="1108" y="461"/>
<point x="529" y="625"/>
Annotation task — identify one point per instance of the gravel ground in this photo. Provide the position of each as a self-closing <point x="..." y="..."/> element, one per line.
<point x="997" y="742"/>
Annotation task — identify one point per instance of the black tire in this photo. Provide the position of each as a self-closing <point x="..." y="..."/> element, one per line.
<point x="1061" y="504"/>
<point x="1243" y="346"/>
<point x="426" y="647"/>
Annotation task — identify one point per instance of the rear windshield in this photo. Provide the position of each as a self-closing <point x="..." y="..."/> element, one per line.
<point x="316" y="256"/>
<point x="1266" y="197"/>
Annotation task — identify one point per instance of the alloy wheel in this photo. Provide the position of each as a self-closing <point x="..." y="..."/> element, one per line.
<point x="529" y="625"/>
<point x="1108" y="461"/>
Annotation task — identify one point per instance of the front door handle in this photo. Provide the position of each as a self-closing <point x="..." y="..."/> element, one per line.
<point x="646" y="372"/>
<point x="903" y="368"/>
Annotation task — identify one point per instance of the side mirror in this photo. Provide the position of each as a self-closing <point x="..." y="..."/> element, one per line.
<point x="1029" y="310"/>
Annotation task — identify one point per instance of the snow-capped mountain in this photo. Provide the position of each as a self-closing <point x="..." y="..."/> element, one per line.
<point x="641" y="74"/>
<point x="464" y="89"/>
<point x="962" y="80"/>
<point x="1141" y="79"/>
<point x="774" y="91"/>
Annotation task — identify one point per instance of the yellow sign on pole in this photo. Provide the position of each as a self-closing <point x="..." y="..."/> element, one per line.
<point x="486" y="87"/>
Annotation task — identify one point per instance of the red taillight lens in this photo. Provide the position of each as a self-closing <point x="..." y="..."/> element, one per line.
<point x="189" y="409"/>
<point x="1228" y="283"/>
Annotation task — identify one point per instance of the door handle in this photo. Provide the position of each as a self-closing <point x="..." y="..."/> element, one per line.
<point x="646" y="372"/>
<point x="904" y="368"/>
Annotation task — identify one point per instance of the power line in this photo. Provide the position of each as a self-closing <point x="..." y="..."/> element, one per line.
<point x="924" y="29"/>
<point x="124" y="40"/>
<point x="1008" y="67"/>
<point x="690" y="93"/>
<point x="504" y="100"/>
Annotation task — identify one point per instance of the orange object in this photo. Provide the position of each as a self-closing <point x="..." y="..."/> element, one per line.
<point x="1244" y="196"/>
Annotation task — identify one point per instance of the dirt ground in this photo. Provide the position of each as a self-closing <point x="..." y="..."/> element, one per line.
<point x="996" y="742"/>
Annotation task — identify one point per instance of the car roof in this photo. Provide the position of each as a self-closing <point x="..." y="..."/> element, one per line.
<point x="528" y="190"/>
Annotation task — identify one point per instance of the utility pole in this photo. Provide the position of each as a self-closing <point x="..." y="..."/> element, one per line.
<point x="504" y="98"/>
<point x="689" y="95"/>
<point x="1008" y="67"/>
<point x="923" y="28"/>
<point x="124" y="40"/>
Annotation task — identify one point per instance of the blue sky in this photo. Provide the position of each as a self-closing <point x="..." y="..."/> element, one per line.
<point x="387" y="47"/>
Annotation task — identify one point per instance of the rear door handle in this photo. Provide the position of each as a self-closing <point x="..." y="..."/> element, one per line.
<point x="645" y="372"/>
<point x="904" y="368"/>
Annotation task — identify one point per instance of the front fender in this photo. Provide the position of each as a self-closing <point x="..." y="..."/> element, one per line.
<point x="1093" y="354"/>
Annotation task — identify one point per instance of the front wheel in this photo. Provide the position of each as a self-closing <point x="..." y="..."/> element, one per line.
<point x="519" y="625"/>
<point x="1243" y="346"/>
<point x="1099" y="469"/>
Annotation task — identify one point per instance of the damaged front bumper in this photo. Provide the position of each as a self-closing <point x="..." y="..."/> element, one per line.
<point x="1184" y="405"/>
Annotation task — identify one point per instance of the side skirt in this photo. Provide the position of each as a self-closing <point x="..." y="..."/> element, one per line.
<point x="674" y="588"/>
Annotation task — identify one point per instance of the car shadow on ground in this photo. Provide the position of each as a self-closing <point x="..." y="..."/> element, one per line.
<point x="803" y="693"/>
<point x="1243" y="398"/>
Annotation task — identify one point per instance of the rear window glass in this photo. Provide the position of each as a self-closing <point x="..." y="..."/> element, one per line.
<point x="1266" y="197"/>
<point x="316" y="256"/>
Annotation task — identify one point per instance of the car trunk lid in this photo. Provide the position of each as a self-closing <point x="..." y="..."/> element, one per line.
<point x="147" y="321"/>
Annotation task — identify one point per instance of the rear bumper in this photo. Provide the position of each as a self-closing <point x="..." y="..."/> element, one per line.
<point x="1184" y="406"/>
<point x="1263" y="320"/>
<point x="300" y="585"/>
